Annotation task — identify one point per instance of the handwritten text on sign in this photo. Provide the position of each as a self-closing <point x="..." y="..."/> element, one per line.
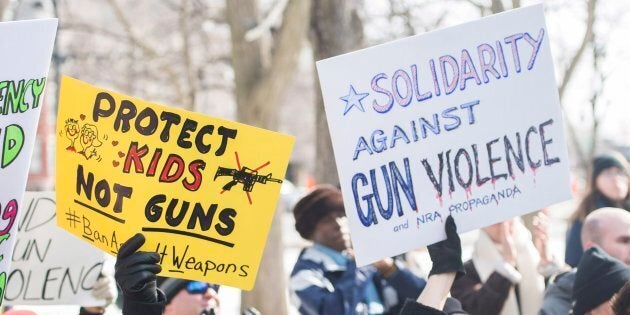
<point x="202" y="189"/>
<point x="463" y="121"/>
<point x="41" y="272"/>
<point x="25" y="50"/>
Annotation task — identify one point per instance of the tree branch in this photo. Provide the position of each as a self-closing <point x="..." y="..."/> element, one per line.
<point x="482" y="8"/>
<point x="566" y="78"/>
<point x="4" y="4"/>
<point x="189" y="99"/>
<point x="288" y="45"/>
<point x="146" y="49"/>
<point x="273" y="19"/>
<point x="516" y="4"/>
<point x="497" y="6"/>
<point x="586" y="39"/>
<point x="88" y="28"/>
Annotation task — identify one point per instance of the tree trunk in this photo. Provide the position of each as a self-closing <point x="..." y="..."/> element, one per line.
<point x="259" y="87"/>
<point x="4" y="4"/>
<point x="336" y="28"/>
<point x="497" y="6"/>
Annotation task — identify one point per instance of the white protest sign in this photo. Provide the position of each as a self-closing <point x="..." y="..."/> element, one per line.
<point x="25" y="51"/>
<point x="49" y="265"/>
<point x="463" y="121"/>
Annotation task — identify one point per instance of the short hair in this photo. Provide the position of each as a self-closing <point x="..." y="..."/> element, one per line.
<point x="594" y="226"/>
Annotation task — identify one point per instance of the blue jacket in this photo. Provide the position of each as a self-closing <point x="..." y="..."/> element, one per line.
<point x="573" y="250"/>
<point x="320" y="285"/>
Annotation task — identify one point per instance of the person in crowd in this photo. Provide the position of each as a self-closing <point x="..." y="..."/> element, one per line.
<point x="607" y="187"/>
<point x="325" y="278"/>
<point x="446" y="257"/>
<point x="504" y="274"/>
<point x="145" y="294"/>
<point x="598" y="279"/>
<point x="104" y="289"/>
<point x="189" y="297"/>
<point x="607" y="228"/>
<point x="621" y="304"/>
<point x="136" y="275"/>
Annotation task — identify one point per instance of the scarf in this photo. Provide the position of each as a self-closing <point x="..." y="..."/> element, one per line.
<point x="487" y="255"/>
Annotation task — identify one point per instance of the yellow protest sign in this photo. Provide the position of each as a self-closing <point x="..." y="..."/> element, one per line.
<point x="203" y="190"/>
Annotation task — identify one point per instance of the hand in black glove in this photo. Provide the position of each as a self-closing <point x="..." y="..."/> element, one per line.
<point x="136" y="271"/>
<point x="447" y="254"/>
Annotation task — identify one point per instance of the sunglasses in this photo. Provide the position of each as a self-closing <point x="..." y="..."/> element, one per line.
<point x="197" y="287"/>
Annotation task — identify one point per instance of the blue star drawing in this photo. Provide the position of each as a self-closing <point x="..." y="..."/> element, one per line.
<point x="353" y="99"/>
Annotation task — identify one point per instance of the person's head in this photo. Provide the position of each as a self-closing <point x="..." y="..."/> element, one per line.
<point x="320" y="217"/>
<point x="598" y="279"/>
<point x="621" y="302"/>
<point x="608" y="228"/>
<point x="610" y="175"/>
<point x="185" y="297"/>
<point x="608" y="185"/>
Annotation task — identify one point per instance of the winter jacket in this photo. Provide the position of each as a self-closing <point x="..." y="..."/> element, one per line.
<point x="573" y="251"/>
<point x="451" y="307"/>
<point x="320" y="285"/>
<point x="412" y="307"/>
<point x="557" y="299"/>
<point x="479" y="298"/>
<point x="131" y="307"/>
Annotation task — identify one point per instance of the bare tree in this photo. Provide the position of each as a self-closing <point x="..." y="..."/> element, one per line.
<point x="336" y="28"/>
<point x="261" y="75"/>
<point x="177" y="58"/>
<point x="583" y="155"/>
<point x="597" y="104"/>
<point x="4" y="4"/>
<point x="583" y="158"/>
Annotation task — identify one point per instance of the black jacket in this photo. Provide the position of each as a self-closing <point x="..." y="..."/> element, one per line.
<point x="131" y="307"/>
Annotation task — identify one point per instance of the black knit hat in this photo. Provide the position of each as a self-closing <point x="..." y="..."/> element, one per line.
<point x="324" y="199"/>
<point x="171" y="286"/>
<point x="599" y="276"/>
<point x="606" y="161"/>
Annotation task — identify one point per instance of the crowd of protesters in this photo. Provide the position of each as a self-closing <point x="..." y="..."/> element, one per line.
<point x="510" y="272"/>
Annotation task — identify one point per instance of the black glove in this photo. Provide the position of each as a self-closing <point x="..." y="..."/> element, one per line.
<point x="136" y="271"/>
<point x="447" y="254"/>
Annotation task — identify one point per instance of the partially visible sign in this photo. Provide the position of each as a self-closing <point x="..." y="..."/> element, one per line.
<point x="50" y="266"/>
<point x="25" y="51"/>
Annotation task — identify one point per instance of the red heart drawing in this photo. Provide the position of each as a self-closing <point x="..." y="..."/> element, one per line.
<point x="115" y="163"/>
<point x="120" y="154"/>
<point x="82" y="117"/>
<point x="114" y="143"/>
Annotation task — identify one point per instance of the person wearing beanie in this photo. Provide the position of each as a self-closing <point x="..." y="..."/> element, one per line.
<point x="607" y="187"/>
<point x="446" y="257"/>
<point x="506" y="273"/>
<point x="145" y="294"/>
<point x="599" y="277"/>
<point x="325" y="278"/>
<point x="186" y="297"/>
<point x="606" y="228"/>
